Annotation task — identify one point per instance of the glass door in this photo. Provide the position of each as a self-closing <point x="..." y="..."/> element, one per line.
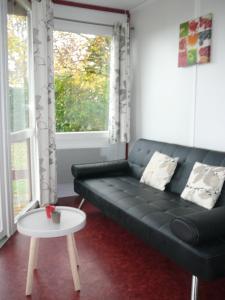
<point x="18" y="157"/>
<point x="21" y="110"/>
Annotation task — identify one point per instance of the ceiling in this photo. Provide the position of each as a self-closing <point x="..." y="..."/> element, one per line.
<point x="122" y="4"/>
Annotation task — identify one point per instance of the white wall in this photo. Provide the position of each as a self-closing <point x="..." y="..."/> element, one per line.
<point x="178" y="105"/>
<point x="69" y="156"/>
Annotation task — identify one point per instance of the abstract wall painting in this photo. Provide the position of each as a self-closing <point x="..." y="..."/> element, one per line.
<point x="195" y="41"/>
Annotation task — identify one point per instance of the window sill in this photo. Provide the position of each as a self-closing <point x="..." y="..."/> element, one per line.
<point x="79" y="140"/>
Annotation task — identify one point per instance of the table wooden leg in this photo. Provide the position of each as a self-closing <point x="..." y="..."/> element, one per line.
<point x="75" y="250"/>
<point x="73" y="262"/>
<point x="31" y="262"/>
<point x="36" y="254"/>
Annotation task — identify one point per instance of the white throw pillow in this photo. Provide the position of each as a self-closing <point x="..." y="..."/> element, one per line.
<point x="159" y="170"/>
<point x="204" y="185"/>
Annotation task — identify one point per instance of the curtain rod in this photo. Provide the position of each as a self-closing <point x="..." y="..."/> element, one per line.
<point x="84" y="22"/>
<point x="93" y="7"/>
<point x="87" y="22"/>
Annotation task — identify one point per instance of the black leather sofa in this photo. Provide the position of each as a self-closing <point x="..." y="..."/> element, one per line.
<point x="179" y="229"/>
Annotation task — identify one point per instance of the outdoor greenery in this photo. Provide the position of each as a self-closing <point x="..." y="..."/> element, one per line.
<point x="21" y="191"/>
<point x="19" y="156"/>
<point x="21" y="182"/>
<point x="18" y="71"/>
<point x="82" y="66"/>
<point x="17" y="29"/>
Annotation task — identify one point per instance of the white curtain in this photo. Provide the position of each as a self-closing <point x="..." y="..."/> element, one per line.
<point x="42" y="19"/>
<point x="119" y="108"/>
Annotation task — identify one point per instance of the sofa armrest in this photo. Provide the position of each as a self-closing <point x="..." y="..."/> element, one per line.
<point x="200" y="227"/>
<point x="117" y="167"/>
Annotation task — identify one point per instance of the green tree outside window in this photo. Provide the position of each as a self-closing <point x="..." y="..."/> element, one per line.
<point x="82" y="67"/>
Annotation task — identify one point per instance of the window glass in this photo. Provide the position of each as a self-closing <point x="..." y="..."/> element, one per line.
<point x="18" y="39"/>
<point x="17" y="26"/>
<point x="21" y="185"/>
<point x="82" y="68"/>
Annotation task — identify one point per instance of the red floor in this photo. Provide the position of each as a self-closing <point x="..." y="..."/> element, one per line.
<point x="114" y="265"/>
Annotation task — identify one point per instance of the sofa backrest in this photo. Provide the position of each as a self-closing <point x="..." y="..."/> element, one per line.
<point x="144" y="149"/>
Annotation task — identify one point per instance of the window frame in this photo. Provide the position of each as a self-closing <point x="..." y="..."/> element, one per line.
<point x="83" y="139"/>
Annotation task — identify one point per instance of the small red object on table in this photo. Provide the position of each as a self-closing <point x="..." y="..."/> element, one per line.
<point x="49" y="210"/>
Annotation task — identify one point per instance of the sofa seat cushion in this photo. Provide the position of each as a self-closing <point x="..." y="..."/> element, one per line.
<point x="139" y="200"/>
<point x="148" y="212"/>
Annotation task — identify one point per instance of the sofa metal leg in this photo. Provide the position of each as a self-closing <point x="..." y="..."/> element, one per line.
<point x="194" y="288"/>
<point x="81" y="203"/>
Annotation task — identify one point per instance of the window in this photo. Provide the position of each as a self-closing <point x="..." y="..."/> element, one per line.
<point x="18" y="48"/>
<point x="82" y="68"/>
<point x="21" y="104"/>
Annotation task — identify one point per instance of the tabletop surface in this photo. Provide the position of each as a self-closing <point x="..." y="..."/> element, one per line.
<point x="36" y="224"/>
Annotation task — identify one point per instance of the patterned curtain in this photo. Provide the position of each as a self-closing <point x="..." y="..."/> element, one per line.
<point x="42" y="18"/>
<point x="119" y="108"/>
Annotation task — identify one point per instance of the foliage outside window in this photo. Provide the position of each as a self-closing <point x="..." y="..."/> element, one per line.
<point x="18" y="80"/>
<point x="82" y="67"/>
<point x="18" y="71"/>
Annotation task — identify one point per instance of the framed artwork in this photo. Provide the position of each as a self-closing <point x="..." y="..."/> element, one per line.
<point x="195" y="41"/>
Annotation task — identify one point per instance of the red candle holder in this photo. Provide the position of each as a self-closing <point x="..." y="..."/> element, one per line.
<point x="49" y="210"/>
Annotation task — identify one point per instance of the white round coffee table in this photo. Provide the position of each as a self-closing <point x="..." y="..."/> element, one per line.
<point x="36" y="225"/>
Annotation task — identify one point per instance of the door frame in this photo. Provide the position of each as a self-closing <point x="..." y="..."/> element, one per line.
<point x="5" y="173"/>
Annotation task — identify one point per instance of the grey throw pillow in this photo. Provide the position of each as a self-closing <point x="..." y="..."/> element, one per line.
<point x="204" y="185"/>
<point x="159" y="170"/>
